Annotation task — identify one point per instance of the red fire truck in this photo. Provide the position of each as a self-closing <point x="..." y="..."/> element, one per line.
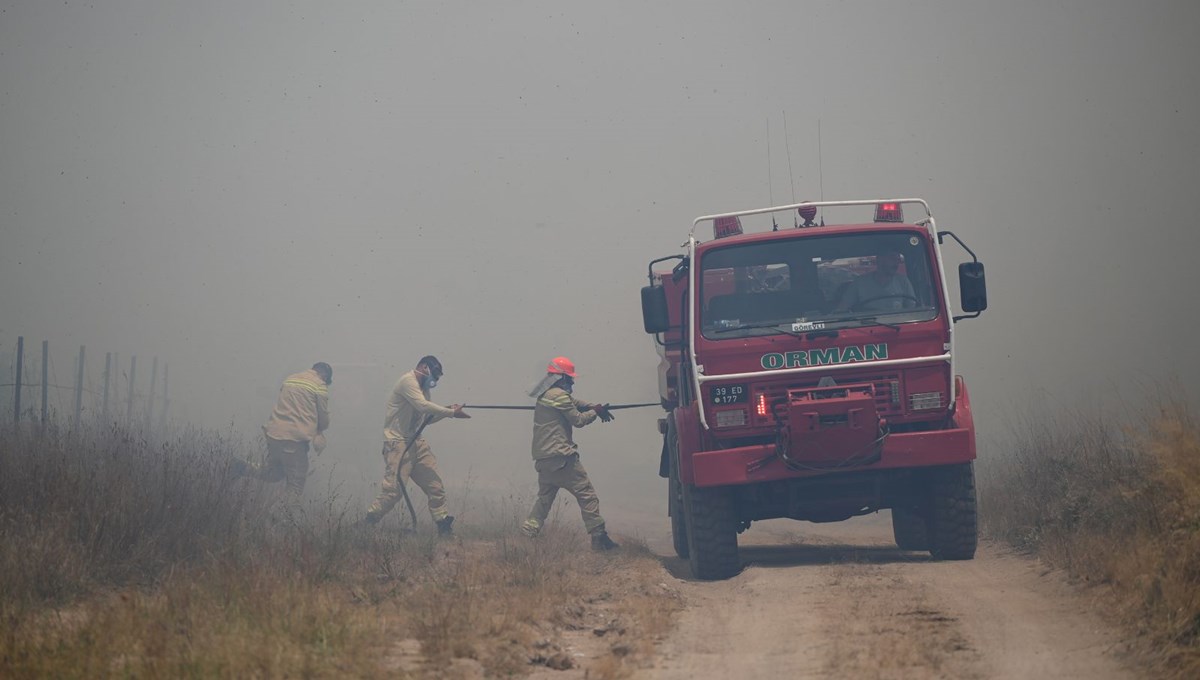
<point x="808" y="373"/>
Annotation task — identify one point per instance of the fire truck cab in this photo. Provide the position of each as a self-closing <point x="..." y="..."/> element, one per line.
<point x="808" y="373"/>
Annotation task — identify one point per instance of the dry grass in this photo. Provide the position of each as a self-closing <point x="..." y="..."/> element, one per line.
<point x="120" y="556"/>
<point x="1117" y="506"/>
<point x="197" y="625"/>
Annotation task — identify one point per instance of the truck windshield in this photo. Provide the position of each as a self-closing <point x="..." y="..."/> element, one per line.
<point x="816" y="282"/>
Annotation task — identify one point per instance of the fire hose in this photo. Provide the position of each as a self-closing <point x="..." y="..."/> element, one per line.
<point x="400" y="466"/>
<point x="612" y="407"/>
<point x="602" y="410"/>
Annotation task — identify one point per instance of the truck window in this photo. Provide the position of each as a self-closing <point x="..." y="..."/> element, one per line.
<point x="837" y="280"/>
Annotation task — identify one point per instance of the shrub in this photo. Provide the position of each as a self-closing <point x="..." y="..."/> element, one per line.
<point x="1113" y="504"/>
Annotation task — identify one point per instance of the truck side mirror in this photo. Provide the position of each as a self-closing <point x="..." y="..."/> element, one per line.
<point x="655" y="318"/>
<point x="972" y="286"/>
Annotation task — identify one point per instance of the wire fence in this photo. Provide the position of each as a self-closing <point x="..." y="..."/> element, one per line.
<point x="104" y="389"/>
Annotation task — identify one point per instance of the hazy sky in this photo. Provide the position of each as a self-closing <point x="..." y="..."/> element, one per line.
<point x="242" y="190"/>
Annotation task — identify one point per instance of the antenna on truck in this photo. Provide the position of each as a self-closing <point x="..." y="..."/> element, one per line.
<point x="820" y="168"/>
<point x="770" y="189"/>
<point x="792" y="178"/>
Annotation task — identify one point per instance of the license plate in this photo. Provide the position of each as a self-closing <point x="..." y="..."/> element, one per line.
<point x="727" y="394"/>
<point x="731" y="418"/>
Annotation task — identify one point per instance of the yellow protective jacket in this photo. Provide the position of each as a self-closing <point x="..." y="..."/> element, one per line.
<point x="555" y="414"/>
<point x="302" y="410"/>
<point x="408" y="406"/>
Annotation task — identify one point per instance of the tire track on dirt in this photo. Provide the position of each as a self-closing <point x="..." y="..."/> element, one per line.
<point x="843" y="601"/>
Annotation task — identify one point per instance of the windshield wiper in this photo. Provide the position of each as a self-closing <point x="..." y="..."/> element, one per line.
<point x="810" y="334"/>
<point x="874" y="321"/>
<point x="777" y="325"/>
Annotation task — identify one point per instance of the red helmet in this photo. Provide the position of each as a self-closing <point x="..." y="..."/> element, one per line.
<point x="561" y="365"/>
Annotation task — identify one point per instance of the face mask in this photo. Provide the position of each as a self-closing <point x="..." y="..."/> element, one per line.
<point x="427" y="380"/>
<point x="567" y="384"/>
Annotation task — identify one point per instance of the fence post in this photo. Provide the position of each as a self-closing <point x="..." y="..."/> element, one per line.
<point x="17" y="388"/>
<point x="45" y="381"/>
<point x="79" y="388"/>
<point x="150" y="400"/>
<point x="166" y="399"/>
<point x="108" y="362"/>
<point x="129" y="401"/>
<point x="116" y="381"/>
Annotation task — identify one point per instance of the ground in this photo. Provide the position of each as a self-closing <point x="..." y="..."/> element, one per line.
<point x="840" y="600"/>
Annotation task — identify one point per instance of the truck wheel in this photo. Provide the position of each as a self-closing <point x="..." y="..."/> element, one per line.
<point x="712" y="533"/>
<point x="909" y="529"/>
<point x="675" y="492"/>
<point x="952" y="522"/>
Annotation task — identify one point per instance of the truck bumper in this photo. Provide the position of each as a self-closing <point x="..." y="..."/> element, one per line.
<point x="753" y="464"/>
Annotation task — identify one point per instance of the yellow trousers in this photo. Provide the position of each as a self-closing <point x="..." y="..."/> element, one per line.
<point x="286" y="460"/>
<point x="563" y="472"/>
<point x="421" y="466"/>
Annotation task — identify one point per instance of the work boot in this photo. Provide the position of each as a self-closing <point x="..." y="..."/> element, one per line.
<point x="530" y="529"/>
<point x="239" y="467"/>
<point x="369" y="520"/>
<point x="601" y="541"/>
<point x="445" y="527"/>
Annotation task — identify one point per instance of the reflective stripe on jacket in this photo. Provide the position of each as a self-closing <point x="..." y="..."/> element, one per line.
<point x="554" y="415"/>
<point x="302" y="409"/>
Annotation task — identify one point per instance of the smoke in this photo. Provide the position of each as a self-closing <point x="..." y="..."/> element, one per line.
<point x="242" y="191"/>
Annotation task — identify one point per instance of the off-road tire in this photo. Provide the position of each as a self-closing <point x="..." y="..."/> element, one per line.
<point x="910" y="529"/>
<point x="712" y="533"/>
<point x="953" y="533"/>
<point x="679" y="537"/>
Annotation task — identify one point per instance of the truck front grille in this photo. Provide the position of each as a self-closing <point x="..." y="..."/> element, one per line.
<point x="888" y="392"/>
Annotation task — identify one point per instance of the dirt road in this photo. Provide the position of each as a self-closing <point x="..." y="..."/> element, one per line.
<point x="841" y="600"/>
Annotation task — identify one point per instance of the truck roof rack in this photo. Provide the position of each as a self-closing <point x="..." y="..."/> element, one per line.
<point x="815" y="204"/>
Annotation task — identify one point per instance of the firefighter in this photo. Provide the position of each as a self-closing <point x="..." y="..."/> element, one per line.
<point x="300" y="418"/>
<point x="884" y="289"/>
<point x="409" y="410"/>
<point x="556" y="456"/>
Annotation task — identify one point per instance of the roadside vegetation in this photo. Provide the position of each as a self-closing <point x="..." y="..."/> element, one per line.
<point x="125" y="557"/>
<point x="1117" y="504"/>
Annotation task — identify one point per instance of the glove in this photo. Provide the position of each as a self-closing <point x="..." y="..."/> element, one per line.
<point x="602" y="411"/>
